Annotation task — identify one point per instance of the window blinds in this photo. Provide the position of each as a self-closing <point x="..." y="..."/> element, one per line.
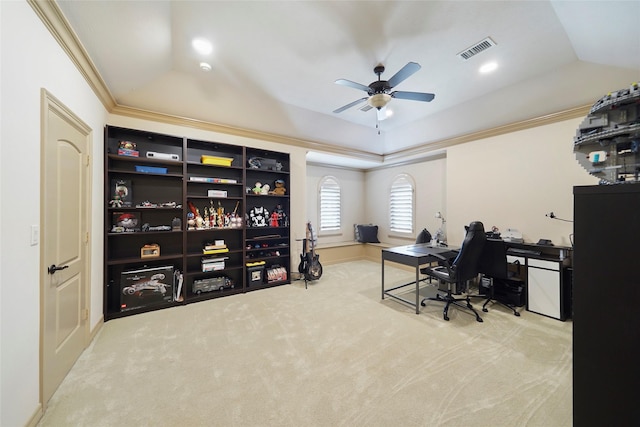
<point x="401" y="206"/>
<point x="329" y="205"/>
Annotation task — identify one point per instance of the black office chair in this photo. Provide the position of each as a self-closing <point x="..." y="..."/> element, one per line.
<point x="498" y="284"/>
<point x="456" y="274"/>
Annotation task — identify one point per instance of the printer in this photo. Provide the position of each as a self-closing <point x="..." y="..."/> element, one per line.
<point x="512" y="235"/>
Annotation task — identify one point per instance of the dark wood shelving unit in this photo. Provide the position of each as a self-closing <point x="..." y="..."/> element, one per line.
<point x="176" y="174"/>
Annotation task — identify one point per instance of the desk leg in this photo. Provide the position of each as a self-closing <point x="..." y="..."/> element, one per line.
<point x="382" y="277"/>
<point x="417" y="289"/>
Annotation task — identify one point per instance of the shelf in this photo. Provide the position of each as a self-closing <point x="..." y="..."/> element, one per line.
<point x="197" y="255"/>
<point x="128" y="172"/>
<point x="139" y="209"/>
<point x="138" y="260"/>
<point x="142" y="233"/>
<point x="181" y="249"/>
<point x="239" y="168"/>
<point x="146" y="160"/>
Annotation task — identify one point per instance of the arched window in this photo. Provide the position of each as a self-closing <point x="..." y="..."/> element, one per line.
<point x="401" y="205"/>
<point x="330" y="204"/>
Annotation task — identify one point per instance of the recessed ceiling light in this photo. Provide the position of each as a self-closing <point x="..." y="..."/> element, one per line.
<point x="488" y="67"/>
<point x="202" y="46"/>
<point x="205" y="67"/>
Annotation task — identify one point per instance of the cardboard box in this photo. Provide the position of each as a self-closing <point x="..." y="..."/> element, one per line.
<point x="255" y="275"/>
<point x="218" y="161"/>
<point x="151" y="169"/>
<point x="216" y="193"/>
<point x="145" y="287"/>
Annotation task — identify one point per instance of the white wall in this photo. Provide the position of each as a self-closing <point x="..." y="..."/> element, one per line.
<point x="507" y="181"/>
<point x="430" y="197"/>
<point x="31" y="60"/>
<point x="513" y="180"/>
<point x="352" y="198"/>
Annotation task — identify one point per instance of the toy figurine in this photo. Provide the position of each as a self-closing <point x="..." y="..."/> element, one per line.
<point x="220" y="215"/>
<point x="199" y="220"/>
<point x="191" y="221"/>
<point x="116" y="202"/>
<point x="205" y="218"/>
<point x="283" y="221"/>
<point x="279" y="189"/>
<point x="274" y="220"/>
<point x="212" y="215"/>
<point x="257" y="188"/>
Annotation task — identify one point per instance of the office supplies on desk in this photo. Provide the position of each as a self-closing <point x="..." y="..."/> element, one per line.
<point x="512" y="235"/>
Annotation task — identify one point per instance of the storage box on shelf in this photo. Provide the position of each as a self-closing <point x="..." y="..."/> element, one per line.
<point x="183" y="204"/>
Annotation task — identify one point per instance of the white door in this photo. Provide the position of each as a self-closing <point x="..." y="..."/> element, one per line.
<point x="65" y="249"/>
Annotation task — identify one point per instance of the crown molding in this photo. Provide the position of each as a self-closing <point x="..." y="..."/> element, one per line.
<point x="245" y="133"/>
<point x="429" y="147"/>
<point x="53" y="18"/>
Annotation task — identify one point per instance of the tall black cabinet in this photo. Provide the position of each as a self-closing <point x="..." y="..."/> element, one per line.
<point x="606" y="305"/>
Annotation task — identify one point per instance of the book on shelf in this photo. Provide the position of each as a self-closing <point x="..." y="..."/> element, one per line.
<point x="212" y="247"/>
<point x="212" y="266"/>
<point x="213" y="180"/>
<point x="215" y="251"/>
<point x="214" y="260"/>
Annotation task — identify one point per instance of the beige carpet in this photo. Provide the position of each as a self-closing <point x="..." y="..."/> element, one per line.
<point x="331" y="355"/>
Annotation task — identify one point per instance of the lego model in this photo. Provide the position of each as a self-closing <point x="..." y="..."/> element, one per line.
<point x="211" y="284"/>
<point x="607" y="143"/>
<point x="147" y="288"/>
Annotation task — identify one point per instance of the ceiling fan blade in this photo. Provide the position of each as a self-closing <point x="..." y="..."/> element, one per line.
<point x="351" y="104"/>
<point x="414" y="96"/>
<point x="353" y="85"/>
<point x="366" y="107"/>
<point x="404" y="73"/>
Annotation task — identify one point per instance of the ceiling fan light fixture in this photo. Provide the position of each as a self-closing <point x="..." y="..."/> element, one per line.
<point x="379" y="100"/>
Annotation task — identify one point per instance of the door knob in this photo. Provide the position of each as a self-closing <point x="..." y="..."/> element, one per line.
<point x="53" y="268"/>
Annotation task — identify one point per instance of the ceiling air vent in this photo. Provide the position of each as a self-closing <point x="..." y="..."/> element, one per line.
<point x="477" y="48"/>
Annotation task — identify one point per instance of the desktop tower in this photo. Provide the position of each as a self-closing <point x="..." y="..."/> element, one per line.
<point x="606" y="295"/>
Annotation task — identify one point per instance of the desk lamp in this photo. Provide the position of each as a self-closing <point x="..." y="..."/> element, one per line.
<point x="441" y="235"/>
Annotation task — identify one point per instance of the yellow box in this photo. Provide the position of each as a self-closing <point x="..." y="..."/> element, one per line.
<point x="213" y="160"/>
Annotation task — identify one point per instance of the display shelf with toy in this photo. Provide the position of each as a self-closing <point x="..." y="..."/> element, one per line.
<point x="190" y="205"/>
<point x="267" y="234"/>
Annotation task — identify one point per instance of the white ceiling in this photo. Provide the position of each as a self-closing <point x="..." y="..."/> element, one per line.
<point x="274" y="63"/>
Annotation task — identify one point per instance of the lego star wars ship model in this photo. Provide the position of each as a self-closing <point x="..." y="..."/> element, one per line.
<point x="607" y="143"/>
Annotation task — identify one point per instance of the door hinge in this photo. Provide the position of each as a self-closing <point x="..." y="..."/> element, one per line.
<point x="86" y="238"/>
<point x="85" y="313"/>
<point x="88" y="160"/>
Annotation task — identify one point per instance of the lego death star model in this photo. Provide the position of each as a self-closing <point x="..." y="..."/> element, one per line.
<point x="607" y="143"/>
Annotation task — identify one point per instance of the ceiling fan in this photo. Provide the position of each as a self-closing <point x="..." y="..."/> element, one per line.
<point x="380" y="91"/>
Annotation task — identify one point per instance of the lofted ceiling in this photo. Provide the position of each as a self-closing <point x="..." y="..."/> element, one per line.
<point x="274" y="64"/>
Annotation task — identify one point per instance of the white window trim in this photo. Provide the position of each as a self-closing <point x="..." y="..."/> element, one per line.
<point x="333" y="232"/>
<point x="399" y="234"/>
